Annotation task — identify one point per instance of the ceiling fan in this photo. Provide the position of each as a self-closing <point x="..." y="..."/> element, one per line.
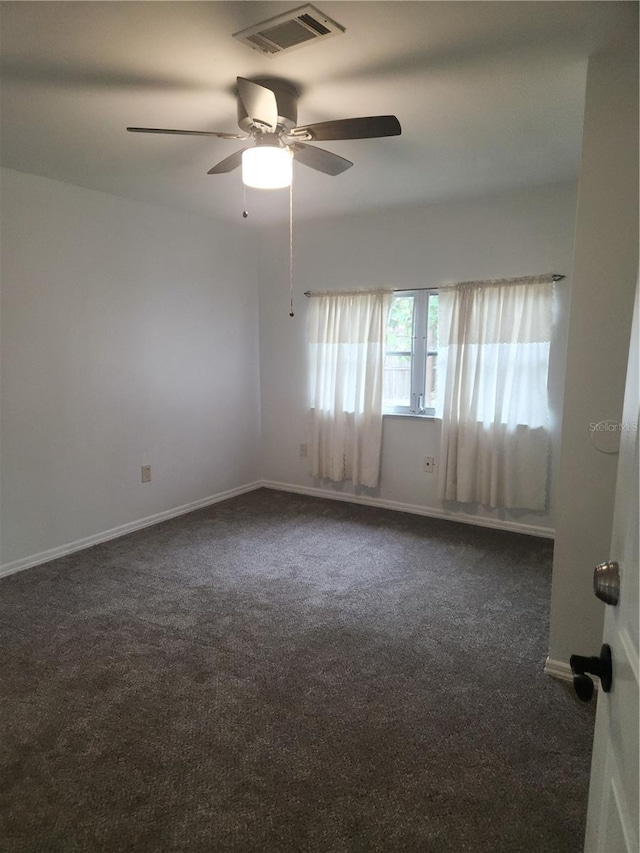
<point x="268" y="114"/>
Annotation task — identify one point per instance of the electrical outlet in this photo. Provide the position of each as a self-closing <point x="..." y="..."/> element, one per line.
<point x="146" y="473"/>
<point x="303" y="451"/>
<point x="429" y="464"/>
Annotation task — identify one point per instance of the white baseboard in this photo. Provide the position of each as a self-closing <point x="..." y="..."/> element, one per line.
<point x="122" y="530"/>
<point x="149" y="521"/>
<point x="415" y="509"/>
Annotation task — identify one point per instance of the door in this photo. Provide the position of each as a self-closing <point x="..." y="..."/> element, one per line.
<point x="613" y="813"/>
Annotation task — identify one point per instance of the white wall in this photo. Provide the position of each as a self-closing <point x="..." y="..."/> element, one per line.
<point x="605" y="272"/>
<point x="129" y="337"/>
<point x="520" y="233"/>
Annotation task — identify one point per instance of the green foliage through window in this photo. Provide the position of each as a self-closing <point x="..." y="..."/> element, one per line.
<point x="410" y="367"/>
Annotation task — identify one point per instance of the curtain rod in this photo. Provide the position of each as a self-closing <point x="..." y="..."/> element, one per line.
<point x="554" y="276"/>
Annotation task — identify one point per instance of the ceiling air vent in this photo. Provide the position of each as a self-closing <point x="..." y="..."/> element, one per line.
<point x="286" y="32"/>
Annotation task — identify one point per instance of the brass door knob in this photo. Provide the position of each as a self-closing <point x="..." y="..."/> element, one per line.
<point x="606" y="582"/>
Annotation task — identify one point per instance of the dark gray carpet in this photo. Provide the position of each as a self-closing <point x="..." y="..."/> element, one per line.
<point x="280" y="673"/>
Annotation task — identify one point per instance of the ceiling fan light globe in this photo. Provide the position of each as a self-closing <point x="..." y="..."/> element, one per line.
<point x="266" y="167"/>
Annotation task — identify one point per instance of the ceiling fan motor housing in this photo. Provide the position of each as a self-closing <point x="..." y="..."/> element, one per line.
<point x="271" y="140"/>
<point x="286" y="99"/>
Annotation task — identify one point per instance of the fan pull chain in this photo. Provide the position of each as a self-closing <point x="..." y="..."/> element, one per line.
<point x="291" y="249"/>
<point x="245" y="212"/>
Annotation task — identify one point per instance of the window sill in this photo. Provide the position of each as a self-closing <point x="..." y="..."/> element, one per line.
<point x="411" y="415"/>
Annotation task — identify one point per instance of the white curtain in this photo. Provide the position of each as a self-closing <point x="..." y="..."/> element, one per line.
<point x="346" y="354"/>
<point x="493" y="361"/>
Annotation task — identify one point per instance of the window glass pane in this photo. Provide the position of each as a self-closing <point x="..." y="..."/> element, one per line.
<point x="410" y="373"/>
<point x="432" y="323"/>
<point x="400" y="324"/>
<point x="396" y="389"/>
<point x="431" y="371"/>
<point x="431" y="382"/>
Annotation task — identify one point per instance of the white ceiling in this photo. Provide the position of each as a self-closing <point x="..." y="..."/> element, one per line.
<point x="489" y="95"/>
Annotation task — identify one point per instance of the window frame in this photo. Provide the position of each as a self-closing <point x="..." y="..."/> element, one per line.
<point x="419" y="354"/>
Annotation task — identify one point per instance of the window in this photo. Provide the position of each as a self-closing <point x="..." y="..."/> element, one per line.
<point x="411" y="352"/>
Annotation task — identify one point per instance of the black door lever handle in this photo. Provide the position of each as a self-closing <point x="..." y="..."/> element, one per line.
<point x="600" y="666"/>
